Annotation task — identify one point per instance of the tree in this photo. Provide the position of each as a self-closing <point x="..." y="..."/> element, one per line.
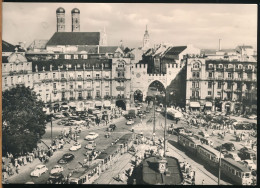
<point x="23" y="120"/>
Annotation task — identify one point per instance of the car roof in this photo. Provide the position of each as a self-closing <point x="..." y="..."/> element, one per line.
<point x="92" y="133"/>
<point x="40" y="166"/>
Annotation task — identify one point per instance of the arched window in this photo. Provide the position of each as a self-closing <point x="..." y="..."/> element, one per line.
<point x="196" y="65"/>
<point x="230" y="66"/>
<point x="249" y="66"/>
<point x="240" y="66"/>
<point x="121" y="64"/>
<point x="220" y="66"/>
<point x="210" y="65"/>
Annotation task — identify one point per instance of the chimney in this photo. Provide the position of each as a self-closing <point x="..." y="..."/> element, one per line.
<point x="219" y="45"/>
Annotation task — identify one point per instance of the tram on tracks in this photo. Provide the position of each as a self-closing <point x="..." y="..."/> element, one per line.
<point x="236" y="171"/>
<point x="189" y="143"/>
<point x="232" y="169"/>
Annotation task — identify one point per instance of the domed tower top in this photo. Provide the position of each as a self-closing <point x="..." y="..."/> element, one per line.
<point x="75" y="10"/>
<point x="60" y="10"/>
<point x="75" y="16"/>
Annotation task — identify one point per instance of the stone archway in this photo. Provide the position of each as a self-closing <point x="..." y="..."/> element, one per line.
<point x="121" y="104"/>
<point x="155" y="87"/>
<point x="138" y="96"/>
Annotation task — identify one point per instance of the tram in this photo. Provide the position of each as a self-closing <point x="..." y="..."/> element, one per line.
<point x="236" y="171"/>
<point x="188" y="142"/>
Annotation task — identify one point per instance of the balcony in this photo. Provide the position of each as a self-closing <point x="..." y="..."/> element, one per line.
<point x="89" y="98"/>
<point x="11" y="73"/>
<point x="80" y="79"/>
<point x="46" y="80"/>
<point x="63" y="80"/>
<point x="56" y="80"/>
<point x="120" y="79"/>
<point x="195" y="69"/>
<point x="229" y="79"/>
<point x="98" y="98"/>
<point x="193" y="98"/>
<point x="209" y="98"/>
<point x="195" y="78"/>
<point x="120" y="88"/>
<point x="210" y="68"/>
<point x="238" y="70"/>
<point x="107" y="97"/>
<point x="71" y="98"/>
<point x="248" y="70"/>
<point x="229" y="69"/>
<point x="120" y="68"/>
<point x="210" y="78"/>
<point x="220" y="69"/>
<point x="195" y="88"/>
<point x="80" y="98"/>
<point x="97" y="78"/>
<point x="72" y="79"/>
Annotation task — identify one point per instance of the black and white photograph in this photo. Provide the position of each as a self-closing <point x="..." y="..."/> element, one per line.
<point x="129" y="93"/>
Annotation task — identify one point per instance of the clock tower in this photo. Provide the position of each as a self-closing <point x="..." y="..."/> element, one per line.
<point x="146" y="40"/>
<point x="75" y="13"/>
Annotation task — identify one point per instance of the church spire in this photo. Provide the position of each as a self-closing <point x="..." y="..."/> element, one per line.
<point x="146" y="39"/>
<point x="103" y="38"/>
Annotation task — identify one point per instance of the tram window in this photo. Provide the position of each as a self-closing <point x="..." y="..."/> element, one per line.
<point x="237" y="174"/>
<point x="247" y="175"/>
<point x="233" y="171"/>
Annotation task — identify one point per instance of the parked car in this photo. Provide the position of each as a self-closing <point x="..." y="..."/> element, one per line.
<point x="250" y="164"/>
<point x="56" y="169"/>
<point x="253" y="116"/>
<point x="247" y="154"/>
<point x="66" y="158"/>
<point x="158" y="109"/>
<point x="204" y="134"/>
<point x="223" y="150"/>
<point x="111" y="127"/>
<point x="75" y="147"/>
<point x="179" y="130"/>
<point x="39" y="170"/>
<point x="229" y="146"/>
<point x="91" y="136"/>
<point x="130" y="122"/>
<point x="68" y="124"/>
<point x="56" y="178"/>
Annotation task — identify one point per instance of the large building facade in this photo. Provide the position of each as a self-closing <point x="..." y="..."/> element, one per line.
<point x="221" y="85"/>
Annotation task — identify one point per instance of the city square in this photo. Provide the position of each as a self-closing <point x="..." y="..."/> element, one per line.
<point x="77" y="110"/>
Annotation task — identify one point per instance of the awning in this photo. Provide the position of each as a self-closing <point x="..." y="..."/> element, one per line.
<point x="194" y="104"/>
<point x="98" y="103"/>
<point x="107" y="103"/>
<point x="72" y="104"/>
<point x="208" y="104"/>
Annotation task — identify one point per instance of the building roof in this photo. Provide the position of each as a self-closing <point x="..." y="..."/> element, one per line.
<point x="88" y="49"/>
<point x="16" y="58"/>
<point x="151" y="175"/>
<point x="174" y="52"/>
<point x="78" y="63"/>
<point x="38" y="44"/>
<point x="7" y="47"/>
<point x="75" y="10"/>
<point x="244" y="47"/>
<point x="74" y="38"/>
<point x="108" y="49"/>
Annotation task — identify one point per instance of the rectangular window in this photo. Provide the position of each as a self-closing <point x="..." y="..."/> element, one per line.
<point x="197" y="93"/>
<point x="106" y="65"/>
<point x="54" y="85"/>
<point x="97" y="84"/>
<point x="219" y="85"/>
<point x="107" y="93"/>
<point x="46" y="75"/>
<point x="229" y="85"/>
<point x="197" y="84"/>
<point x="5" y="81"/>
<point x="89" y="94"/>
<point x="79" y="76"/>
<point x="209" y="84"/>
<point x="218" y="93"/>
<point x="39" y="76"/>
<point x="239" y="75"/>
<point x="53" y="75"/>
<point x="71" y="93"/>
<point x="79" y="86"/>
<point x="62" y="75"/>
<point x="209" y="93"/>
<point x="29" y="78"/>
<point x="193" y="74"/>
<point x="75" y="56"/>
<point x="249" y="75"/>
<point x="193" y="84"/>
<point x="210" y="74"/>
<point x="12" y="80"/>
<point x="71" y="86"/>
<point x="198" y="74"/>
<point x="229" y="75"/>
<point x="98" y="93"/>
<point x="88" y="75"/>
<point x="97" y="75"/>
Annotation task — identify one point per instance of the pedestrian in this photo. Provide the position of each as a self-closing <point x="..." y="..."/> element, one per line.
<point x="193" y="181"/>
<point x="202" y="183"/>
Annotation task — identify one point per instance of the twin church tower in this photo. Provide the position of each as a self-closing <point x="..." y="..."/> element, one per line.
<point x="75" y="16"/>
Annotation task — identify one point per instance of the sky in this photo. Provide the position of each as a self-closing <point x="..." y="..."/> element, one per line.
<point x="178" y="24"/>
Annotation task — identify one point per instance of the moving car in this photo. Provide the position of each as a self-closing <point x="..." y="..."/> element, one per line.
<point x="56" y="178"/>
<point x="91" y="136"/>
<point x="250" y="164"/>
<point x="204" y="134"/>
<point x="75" y="147"/>
<point x="91" y="145"/>
<point x="39" y="170"/>
<point x="66" y="158"/>
<point x="56" y="169"/>
<point x="111" y="127"/>
<point x="229" y="146"/>
<point x="130" y="122"/>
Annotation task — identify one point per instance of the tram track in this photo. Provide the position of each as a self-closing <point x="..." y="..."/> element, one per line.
<point x="197" y="167"/>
